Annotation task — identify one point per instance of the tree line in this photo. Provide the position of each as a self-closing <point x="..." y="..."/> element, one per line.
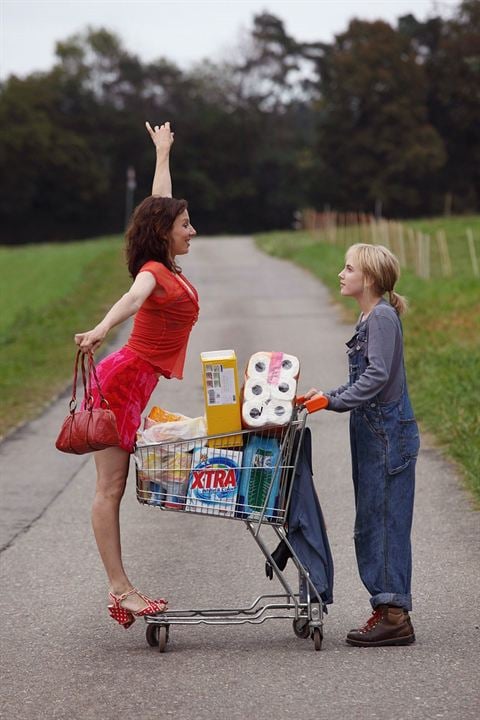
<point x="383" y="119"/>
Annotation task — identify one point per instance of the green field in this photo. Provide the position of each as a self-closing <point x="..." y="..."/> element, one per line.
<point x="47" y="293"/>
<point x="442" y="334"/>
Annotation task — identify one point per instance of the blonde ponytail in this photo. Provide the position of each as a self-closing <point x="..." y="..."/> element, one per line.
<point x="398" y="302"/>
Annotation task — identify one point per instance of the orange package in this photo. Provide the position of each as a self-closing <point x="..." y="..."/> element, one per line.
<point x="158" y="414"/>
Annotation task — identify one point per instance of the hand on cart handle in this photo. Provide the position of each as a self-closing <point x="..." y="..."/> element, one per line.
<point x="312" y="401"/>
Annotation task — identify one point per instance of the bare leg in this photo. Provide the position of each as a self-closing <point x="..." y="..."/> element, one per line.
<point x="112" y="470"/>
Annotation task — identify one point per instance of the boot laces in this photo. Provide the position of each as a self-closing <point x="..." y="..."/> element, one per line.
<point x="372" y="621"/>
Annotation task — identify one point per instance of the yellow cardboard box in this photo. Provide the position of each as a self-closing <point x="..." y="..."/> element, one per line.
<point x="222" y="395"/>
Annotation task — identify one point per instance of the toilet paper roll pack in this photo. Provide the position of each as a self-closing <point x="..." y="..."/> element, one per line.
<point x="273" y="366"/>
<point x="270" y="389"/>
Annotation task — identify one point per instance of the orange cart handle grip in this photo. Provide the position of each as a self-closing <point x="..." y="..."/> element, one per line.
<point x="317" y="402"/>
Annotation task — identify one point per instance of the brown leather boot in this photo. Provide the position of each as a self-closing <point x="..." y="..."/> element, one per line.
<point x="388" y="625"/>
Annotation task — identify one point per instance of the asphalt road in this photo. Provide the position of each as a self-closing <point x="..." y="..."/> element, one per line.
<point x="62" y="656"/>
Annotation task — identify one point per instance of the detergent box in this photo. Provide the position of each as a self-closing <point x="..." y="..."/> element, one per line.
<point x="259" y="486"/>
<point x="222" y="396"/>
<point x="213" y="482"/>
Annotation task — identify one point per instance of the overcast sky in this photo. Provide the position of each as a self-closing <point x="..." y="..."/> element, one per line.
<point x="184" y="31"/>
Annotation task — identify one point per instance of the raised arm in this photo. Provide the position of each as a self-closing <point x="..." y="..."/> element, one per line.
<point x="162" y="138"/>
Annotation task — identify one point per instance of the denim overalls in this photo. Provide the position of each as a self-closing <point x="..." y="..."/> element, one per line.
<point x="384" y="443"/>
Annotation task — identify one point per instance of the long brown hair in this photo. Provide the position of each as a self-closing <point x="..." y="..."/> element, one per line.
<point x="146" y="236"/>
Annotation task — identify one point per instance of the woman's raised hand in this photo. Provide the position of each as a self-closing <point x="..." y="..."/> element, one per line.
<point x="162" y="136"/>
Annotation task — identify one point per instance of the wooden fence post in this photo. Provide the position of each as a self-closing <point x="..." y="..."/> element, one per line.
<point x="426" y="243"/>
<point x="402" y="256"/>
<point x="363" y="229"/>
<point x="418" y="253"/>
<point x="423" y="255"/>
<point x="384" y="233"/>
<point x="411" y="247"/>
<point x="473" y="255"/>
<point x="445" y="261"/>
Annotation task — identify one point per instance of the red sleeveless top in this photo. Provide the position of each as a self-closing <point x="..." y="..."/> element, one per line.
<point x="163" y="324"/>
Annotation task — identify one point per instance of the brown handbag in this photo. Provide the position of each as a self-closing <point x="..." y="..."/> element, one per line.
<point x="90" y="428"/>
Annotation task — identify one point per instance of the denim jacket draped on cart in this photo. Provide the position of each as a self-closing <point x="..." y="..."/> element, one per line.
<point x="307" y="531"/>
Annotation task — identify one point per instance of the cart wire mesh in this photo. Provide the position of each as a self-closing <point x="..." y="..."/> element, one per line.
<point x="245" y="475"/>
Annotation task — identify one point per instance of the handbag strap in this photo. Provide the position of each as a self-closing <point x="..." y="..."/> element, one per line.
<point x="92" y="373"/>
<point x="73" y="401"/>
<point x="86" y="381"/>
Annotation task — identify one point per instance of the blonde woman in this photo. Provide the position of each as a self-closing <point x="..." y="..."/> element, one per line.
<point x="384" y="444"/>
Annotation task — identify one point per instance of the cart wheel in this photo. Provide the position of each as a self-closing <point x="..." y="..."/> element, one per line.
<point x="317" y="638"/>
<point x="152" y="635"/>
<point x="300" y="628"/>
<point x="162" y="638"/>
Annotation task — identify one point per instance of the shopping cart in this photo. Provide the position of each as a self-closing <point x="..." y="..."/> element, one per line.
<point x="245" y="476"/>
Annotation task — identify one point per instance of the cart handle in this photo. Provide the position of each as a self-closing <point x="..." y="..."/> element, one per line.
<point x="317" y="402"/>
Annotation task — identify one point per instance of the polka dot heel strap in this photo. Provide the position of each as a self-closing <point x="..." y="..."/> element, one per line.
<point x="126" y="617"/>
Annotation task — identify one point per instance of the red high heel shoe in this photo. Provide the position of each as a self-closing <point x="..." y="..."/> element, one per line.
<point x="126" y="617"/>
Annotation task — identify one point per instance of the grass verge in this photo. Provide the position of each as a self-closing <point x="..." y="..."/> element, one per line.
<point x="48" y="293"/>
<point x="442" y="329"/>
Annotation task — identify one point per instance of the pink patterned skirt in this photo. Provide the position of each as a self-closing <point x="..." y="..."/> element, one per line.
<point x="127" y="383"/>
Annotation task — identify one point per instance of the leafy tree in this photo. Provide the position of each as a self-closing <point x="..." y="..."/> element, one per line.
<point x="274" y="79"/>
<point x="450" y="53"/>
<point x="375" y="142"/>
<point x="381" y="116"/>
<point x="48" y="172"/>
<point x="68" y="136"/>
<point x="274" y="69"/>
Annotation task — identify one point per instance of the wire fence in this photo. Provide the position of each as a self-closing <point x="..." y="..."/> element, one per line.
<point x="428" y="255"/>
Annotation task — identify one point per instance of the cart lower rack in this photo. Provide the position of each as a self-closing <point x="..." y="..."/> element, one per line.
<point x="245" y="476"/>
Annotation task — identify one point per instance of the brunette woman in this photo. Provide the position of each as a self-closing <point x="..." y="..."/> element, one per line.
<point x="165" y="306"/>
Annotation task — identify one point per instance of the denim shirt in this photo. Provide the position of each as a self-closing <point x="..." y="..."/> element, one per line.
<point x="390" y="424"/>
<point x="379" y="341"/>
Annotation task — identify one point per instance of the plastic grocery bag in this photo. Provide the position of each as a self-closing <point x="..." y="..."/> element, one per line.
<point x="173" y="431"/>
